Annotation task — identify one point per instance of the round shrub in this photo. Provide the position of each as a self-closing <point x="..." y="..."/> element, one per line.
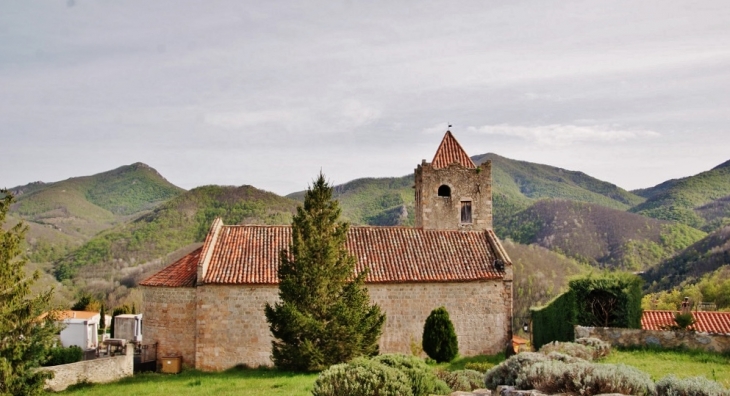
<point x="423" y="380"/>
<point x="600" y="348"/>
<point x="585" y="378"/>
<point x="569" y="348"/>
<point x="439" y="337"/>
<point x="362" y="377"/>
<point x="693" y="386"/>
<point x="506" y="372"/>
<point x="462" y="380"/>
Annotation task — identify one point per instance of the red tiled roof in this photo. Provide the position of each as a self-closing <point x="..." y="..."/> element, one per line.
<point x="181" y="273"/>
<point x="707" y="321"/>
<point x="250" y="255"/>
<point x="449" y="152"/>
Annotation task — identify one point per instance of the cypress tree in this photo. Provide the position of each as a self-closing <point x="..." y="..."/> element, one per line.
<point x="439" y="337"/>
<point x="26" y="335"/>
<point x="324" y="316"/>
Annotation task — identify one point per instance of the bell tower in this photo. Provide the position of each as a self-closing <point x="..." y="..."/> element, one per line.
<point x="452" y="193"/>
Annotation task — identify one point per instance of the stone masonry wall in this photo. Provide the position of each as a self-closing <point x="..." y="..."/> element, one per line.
<point x="232" y="328"/>
<point x="169" y="320"/>
<point x="96" y="371"/>
<point x="665" y="339"/>
<point x="441" y="213"/>
<point x="479" y="310"/>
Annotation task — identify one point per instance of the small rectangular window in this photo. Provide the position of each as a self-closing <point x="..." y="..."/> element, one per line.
<point x="466" y="211"/>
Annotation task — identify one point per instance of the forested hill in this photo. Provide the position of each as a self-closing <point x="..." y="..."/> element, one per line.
<point x="179" y="222"/>
<point x="687" y="267"/>
<point x="63" y="214"/>
<point x="683" y="199"/>
<point x="598" y="235"/>
<point x="516" y="185"/>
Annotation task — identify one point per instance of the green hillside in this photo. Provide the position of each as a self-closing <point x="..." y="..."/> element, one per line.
<point x="716" y="214"/>
<point x="175" y="224"/>
<point x="681" y="199"/>
<point x="516" y="185"/>
<point x="598" y="235"/>
<point x="80" y="207"/>
<point x="697" y="260"/>
<point x="375" y="201"/>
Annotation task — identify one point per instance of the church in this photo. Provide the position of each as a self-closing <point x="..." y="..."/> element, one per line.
<point x="208" y="307"/>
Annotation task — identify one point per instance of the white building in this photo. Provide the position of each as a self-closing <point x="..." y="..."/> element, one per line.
<point x="81" y="328"/>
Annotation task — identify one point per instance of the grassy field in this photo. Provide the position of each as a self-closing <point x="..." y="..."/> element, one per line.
<point x="273" y="382"/>
<point x="192" y="382"/>
<point x="682" y="364"/>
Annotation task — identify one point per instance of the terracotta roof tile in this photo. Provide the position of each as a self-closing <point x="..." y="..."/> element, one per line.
<point x="70" y="314"/>
<point x="450" y="152"/>
<point x="707" y="321"/>
<point x="250" y="255"/>
<point x="181" y="273"/>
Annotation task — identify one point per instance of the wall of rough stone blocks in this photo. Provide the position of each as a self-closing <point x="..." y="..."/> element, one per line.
<point x="95" y="371"/>
<point x="232" y="328"/>
<point x="665" y="339"/>
<point x="169" y="320"/>
<point x="440" y="213"/>
<point x="480" y="311"/>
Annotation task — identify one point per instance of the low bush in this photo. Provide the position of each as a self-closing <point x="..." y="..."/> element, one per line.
<point x="481" y="367"/>
<point x="693" y="386"/>
<point x="569" y="348"/>
<point x="362" y="377"/>
<point x="423" y="380"/>
<point x="561" y="357"/>
<point x="61" y="355"/>
<point x="462" y="380"/>
<point x="584" y="378"/>
<point x="600" y="348"/>
<point x="506" y="372"/>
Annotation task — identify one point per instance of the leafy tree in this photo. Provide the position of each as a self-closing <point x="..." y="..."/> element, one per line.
<point x="439" y="337"/>
<point x="86" y="302"/>
<point x="324" y="316"/>
<point x="26" y="335"/>
<point x="102" y="317"/>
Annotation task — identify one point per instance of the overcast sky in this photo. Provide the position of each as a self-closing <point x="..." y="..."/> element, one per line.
<point x="268" y="93"/>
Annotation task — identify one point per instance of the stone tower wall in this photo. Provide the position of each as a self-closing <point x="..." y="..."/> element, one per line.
<point x="442" y="213"/>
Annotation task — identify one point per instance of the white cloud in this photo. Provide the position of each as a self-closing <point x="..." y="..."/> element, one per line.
<point x="436" y="129"/>
<point x="566" y="134"/>
<point x="244" y="119"/>
<point x="359" y="114"/>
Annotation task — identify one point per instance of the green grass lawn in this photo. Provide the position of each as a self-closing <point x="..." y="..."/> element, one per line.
<point x="657" y="363"/>
<point x="682" y="364"/>
<point x="192" y="382"/>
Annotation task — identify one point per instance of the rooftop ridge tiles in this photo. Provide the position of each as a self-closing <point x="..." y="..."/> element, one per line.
<point x="449" y="152"/>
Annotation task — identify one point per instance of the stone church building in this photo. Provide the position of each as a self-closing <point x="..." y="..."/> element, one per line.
<point x="208" y="307"/>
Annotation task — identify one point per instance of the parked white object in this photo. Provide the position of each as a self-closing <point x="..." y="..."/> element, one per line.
<point x="128" y="327"/>
<point x="80" y="329"/>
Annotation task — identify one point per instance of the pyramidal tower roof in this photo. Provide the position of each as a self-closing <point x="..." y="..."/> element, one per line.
<point x="450" y="151"/>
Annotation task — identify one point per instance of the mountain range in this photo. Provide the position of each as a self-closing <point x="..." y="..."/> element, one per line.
<point x="103" y="233"/>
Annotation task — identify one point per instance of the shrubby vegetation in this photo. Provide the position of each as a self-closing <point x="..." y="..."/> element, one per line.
<point x="61" y="355"/>
<point x="462" y="380"/>
<point x="694" y="386"/>
<point x="362" y="377"/>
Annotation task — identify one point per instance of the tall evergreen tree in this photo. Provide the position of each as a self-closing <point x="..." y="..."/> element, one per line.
<point x="324" y="316"/>
<point x="25" y="333"/>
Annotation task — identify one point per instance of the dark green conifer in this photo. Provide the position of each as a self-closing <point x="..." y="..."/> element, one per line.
<point x="26" y="335"/>
<point x="439" y="337"/>
<point x="324" y="316"/>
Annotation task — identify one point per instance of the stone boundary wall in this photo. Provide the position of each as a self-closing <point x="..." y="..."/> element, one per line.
<point x="96" y="371"/>
<point x="665" y="339"/>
